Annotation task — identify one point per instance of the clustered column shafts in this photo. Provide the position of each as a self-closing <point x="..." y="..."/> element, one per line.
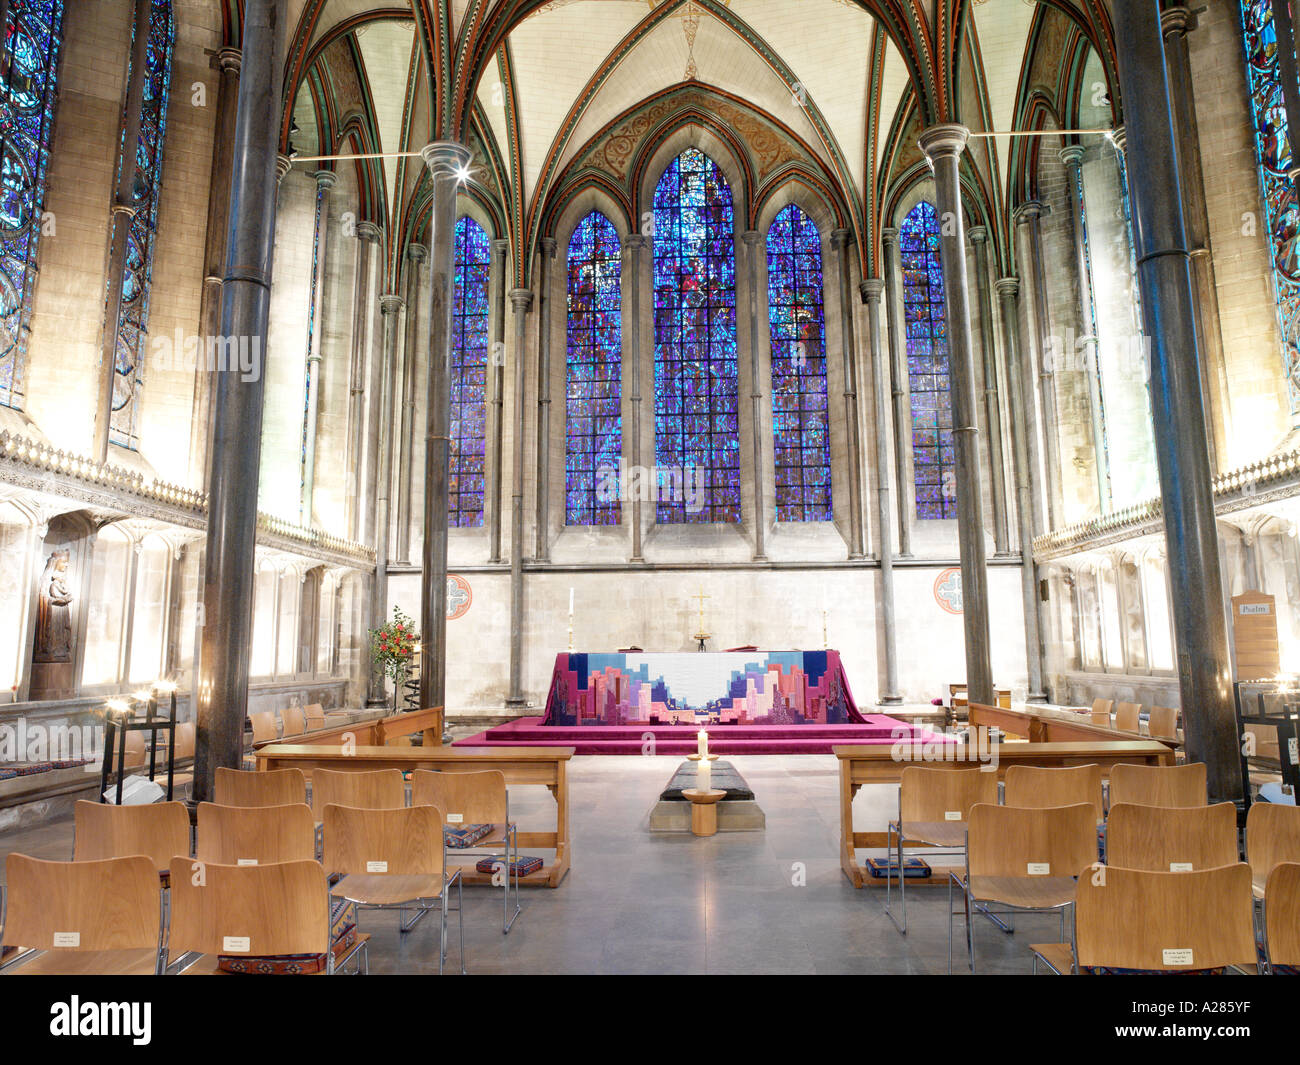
<point x="899" y="383"/>
<point x="325" y="181"/>
<point x="1030" y="356"/>
<point x="415" y="256"/>
<point x="857" y="539"/>
<point x="634" y="244"/>
<point x="543" y="486"/>
<point x="521" y="299"/>
<point x="979" y="238"/>
<point x="367" y="237"/>
<point x="753" y="240"/>
<point x="500" y="248"/>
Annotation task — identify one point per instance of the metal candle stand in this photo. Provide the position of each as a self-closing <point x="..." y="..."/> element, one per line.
<point x="117" y="725"/>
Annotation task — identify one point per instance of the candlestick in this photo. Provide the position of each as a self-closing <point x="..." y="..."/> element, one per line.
<point x="702" y="745"/>
<point x="703" y="775"/>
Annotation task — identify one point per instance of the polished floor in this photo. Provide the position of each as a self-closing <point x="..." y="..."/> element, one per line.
<point x="773" y="901"/>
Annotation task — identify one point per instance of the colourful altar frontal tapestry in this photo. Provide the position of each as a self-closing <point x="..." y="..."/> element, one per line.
<point x="690" y="688"/>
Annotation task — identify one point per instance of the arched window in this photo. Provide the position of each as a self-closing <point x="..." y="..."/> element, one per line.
<point x="1273" y="149"/>
<point x="800" y="422"/>
<point x="469" y="375"/>
<point x="927" y="363"/>
<point x="29" y="61"/>
<point x="697" y="444"/>
<point x="133" y="330"/>
<point x="593" y="365"/>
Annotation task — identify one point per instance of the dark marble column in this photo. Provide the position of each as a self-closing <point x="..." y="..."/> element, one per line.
<point x="979" y="238"/>
<point x="634" y="244"/>
<point x="543" y="486"/>
<point x="857" y="538"/>
<point x="899" y="384"/>
<point x="415" y="255"/>
<point x="500" y="248"/>
<point x="762" y="512"/>
<point x="221" y="690"/>
<point x="943" y="146"/>
<point x="1178" y="416"/>
<point x="325" y="181"/>
<point x="521" y="299"/>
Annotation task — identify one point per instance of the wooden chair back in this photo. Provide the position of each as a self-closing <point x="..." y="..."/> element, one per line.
<point x="929" y="795"/>
<point x="249" y="909"/>
<point x="275" y="787"/>
<point x="1159" y="785"/>
<point x="1101" y="718"/>
<point x="159" y="831"/>
<point x="255" y="835"/>
<point x="136" y="755"/>
<point x="1105" y="706"/>
<point x="294" y="720"/>
<point x="184" y="740"/>
<point x="1282" y="914"/>
<point x="108" y="904"/>
<point x="1008" y="841"/>
<point x="1128" y="717"/>
<point x="315" y="714"/>
<point x="1171" y="839"/>
<point x="1162" y="724"/>
<point x="1272" y="837"/>
<point x="1136" y="919"/>
<point x="1033" y="787"/>
<point x="464" y="798"/>
<point x="264" y="728"/>
<point x="379" y="789"/>
<point x="397" y="842"/>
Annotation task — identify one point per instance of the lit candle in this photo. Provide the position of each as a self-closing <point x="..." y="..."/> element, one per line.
<point x="702" y="744"/>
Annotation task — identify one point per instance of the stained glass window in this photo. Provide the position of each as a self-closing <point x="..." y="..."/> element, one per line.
<point x="469" y="351"/>
<point x="927" y="363"/>
<point x="697" y="443"/>
<point x="133" y="329"/>
<point x="28" y="67"/>
<point x="1273" y="149"/>
<point x="594" y="362"/>
<point x="800" y="419"/>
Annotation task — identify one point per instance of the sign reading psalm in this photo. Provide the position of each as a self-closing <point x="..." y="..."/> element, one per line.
<point x="689" y="688"/>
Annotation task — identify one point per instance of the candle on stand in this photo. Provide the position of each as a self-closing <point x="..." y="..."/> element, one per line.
<point x="703" y="776"/>
<point x="702" y="745"/>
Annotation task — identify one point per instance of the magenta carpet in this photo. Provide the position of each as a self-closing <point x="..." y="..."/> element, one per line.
<point x="681" y="739"/>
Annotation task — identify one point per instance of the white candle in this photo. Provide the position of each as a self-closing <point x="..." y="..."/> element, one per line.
<point x="702" y="744"/>
<point x="703" y="778"/>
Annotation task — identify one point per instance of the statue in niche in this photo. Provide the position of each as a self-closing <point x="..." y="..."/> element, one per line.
<point x="53" y="617"/>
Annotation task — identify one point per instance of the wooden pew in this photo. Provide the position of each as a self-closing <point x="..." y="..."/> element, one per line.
<point x="427" y="722"/>
<point x="1051" y="726"/>
<point x="521" y="765"/>
<point x="877" y="764"/>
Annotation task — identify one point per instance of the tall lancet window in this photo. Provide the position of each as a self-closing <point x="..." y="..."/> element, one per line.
<point x="1273" y="149"/>
<point x="927" y="364"/>
<point x="697" y="443"/>
<point x="132" y="334"/>
<point x="469" y="375"/>
<point x="28" y="69"/>
<point x="593" y="365"/>
<point x="800" y="420"/>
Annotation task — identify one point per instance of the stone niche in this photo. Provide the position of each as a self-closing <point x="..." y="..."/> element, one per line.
<point x="58" y="607"/>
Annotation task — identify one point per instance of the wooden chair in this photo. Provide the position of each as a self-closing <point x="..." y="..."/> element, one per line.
<point x="1023" y="860"/>
<point x="932" y="809"/>
<point x="1101" y="718"/>
<point x="136" y="754"/>
<point x="1159" y="785"/>
<point x="315" y="714"/>
<point x="160" y="832"/>
<point x="1282" y="917"/>
<point x="380" y="789"/>
<point x="1171" y="839"/>
<point x="256" y="910"/>
<point x="1039" y="787"/>
<point x="101" y="917"/>
<point x="276" y="787"/>
<point x="255" y="835"/>
<point x="294" y="721"/>
<point x="184" y="741"/>
<point x="264" y="727"/>
<point x="475" y="799"/>
<point x="1128" y="717"/>
<point x="1272" y="837"/>
<point x="1133" y="919"/>
<point x="1102" y="706"/>
<point x="394" y="859"/>
<point x="1162" y="724"/>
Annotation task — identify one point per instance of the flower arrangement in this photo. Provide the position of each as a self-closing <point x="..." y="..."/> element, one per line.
<point x="393" y="644"/>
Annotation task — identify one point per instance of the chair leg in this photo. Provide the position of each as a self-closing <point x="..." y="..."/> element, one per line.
<point x="950" y="926"/>
<point x="970" y="927"/>
<point x="460" y="915"/>
<point x="442" y="941"/>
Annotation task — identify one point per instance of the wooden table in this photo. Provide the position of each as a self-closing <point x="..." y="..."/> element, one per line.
<point x="876" y="764"/>
<point x="521" y="765"/>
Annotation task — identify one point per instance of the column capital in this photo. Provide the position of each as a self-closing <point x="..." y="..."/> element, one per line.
<point x="521" y="299"/>
<point x="1029" y="211"/>
<point x="447" y="158"/>
<point x="889" y="236"/>
<point x="325" y="179"/>
<point x="1177" y="21"/>
<point x="948" y="139"/>
<point x="417" y="252"/>
<point x="840" y="239"/>
<point x="500" y="245"/>
<point x="1007" y="286"/>
<point x="752" y="237"/>
<point x="229" y="60"/>
<point x="1119" y="138"/>
<point x="978" y="234"/>
<point x="390" y="303"/>
<point x="367" y="231"/>
<point x="283" y="164"/>
<point x="635" y="242"/>
<point x="548" y="246"/>
<point x="1072" y="155"/>
<point x="871" y="289"/>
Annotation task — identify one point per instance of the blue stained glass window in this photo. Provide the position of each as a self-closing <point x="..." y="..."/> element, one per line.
<point x="469" y="375"/>
<point x="933" y="458"/>
<point x="28" y="69"/>
<point x="1273" y="149"/>
<point x="800" y="417"/>
<point x="594" y="363"/>
<point x="697" y="442"/>
<point x="133" y="328"/>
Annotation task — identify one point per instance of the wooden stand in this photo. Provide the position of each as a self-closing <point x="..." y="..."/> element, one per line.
<point x="704" y="810"/>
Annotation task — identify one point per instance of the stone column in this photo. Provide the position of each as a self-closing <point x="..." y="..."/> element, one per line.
<point x="1176" y="23"/>
<point x="634" y="244"/>
<point x="325" y="180"/>
<point x="857" y="538"/>
<point x="499" y="250"/>
<point x="872" y="289"/>
<point x="390" y="306"/>
<point x="543" y="486"/>
<point x="753" y="241"/>
<point x="367" y="237"/>
<point x="1008" y="292"/>
<point x="943" y="146"/>
<point x="221" y="690"/>
<point x="979" y="238"/>
<point x="1178" y="417"/>
<point x="448" y="163"/>
<point x="123" y="214"/>
<point x="521" y="299"/>
<point x="900" y="383"/>
<point x="223" y="140"/>
<point x="415" y="255"/>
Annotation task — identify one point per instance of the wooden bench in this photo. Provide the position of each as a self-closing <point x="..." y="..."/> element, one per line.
<point x="1052" y="726"/>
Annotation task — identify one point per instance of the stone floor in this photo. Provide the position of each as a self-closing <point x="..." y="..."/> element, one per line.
<point x="748" y="902"/>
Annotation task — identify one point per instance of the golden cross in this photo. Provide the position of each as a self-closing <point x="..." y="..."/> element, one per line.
<point x="701" y="596"/>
